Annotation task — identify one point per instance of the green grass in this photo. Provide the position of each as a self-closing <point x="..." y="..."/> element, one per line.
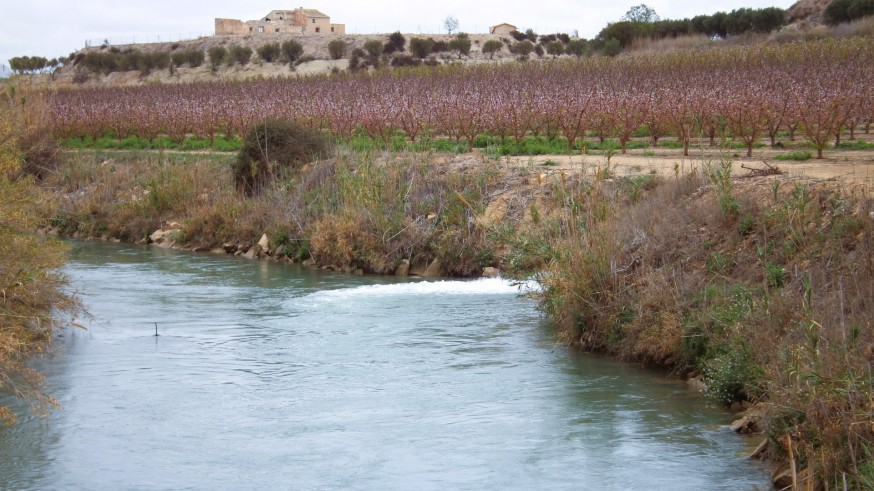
<point x="800" y="155"/>
<point x="111" y="142"/>
<point x="855" y="145"/>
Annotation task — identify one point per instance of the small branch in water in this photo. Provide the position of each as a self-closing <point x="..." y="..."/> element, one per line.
<point x="156" y="329"/>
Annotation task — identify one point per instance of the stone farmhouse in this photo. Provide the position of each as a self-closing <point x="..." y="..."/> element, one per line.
<point x="297" y="21"/>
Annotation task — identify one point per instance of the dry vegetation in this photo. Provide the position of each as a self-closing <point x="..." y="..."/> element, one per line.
<point x="765" y="287"/>
<point x="30" y="286"/>
<point x="352" y="212"/>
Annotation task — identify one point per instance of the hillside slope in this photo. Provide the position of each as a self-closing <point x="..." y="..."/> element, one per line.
<point x="807" y="11"/>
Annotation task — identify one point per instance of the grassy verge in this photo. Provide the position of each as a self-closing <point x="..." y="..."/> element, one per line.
<point x="800" y="156"/>
<point x="764" y="290"/>
<point x="491" y="145"/>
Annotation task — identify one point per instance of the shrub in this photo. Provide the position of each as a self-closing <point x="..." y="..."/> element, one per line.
<point x="522" y="48"/>
<point x="355" y="58"/>
<point x="337" y="49"/>
<point x="555" y="48"/>
<point x="531" y="35"/>
<point x="374" y="47"/>
<point x="461" y="45"/>
<point x="547" y="38"/>
<point x="611" y="47"/>
<point x="800" y="155"/>
<point x="292" y="50"/>
<point x="39" y="153"/>
<point x="269" y="52"/>
<point x="178" y="58"/>
<point x="839" y="11"/>
<point x="732" y="376"/>
<point x="396" y="43"/>
<point x="217" y="56"/>
<point x="538" y="50"/>
<point x="421" y="47"/>
<point x="271" y="148"/>
<point x="439" y="46"/>
<point x="239" y="54"/>
<point x="518" y="36"/>
<point x="405" y="60"/>
<point x="577" y="47"/>
<point x="195" y="58"/>
<point x="491" y="47"/>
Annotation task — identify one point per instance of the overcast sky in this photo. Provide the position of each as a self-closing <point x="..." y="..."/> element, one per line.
<point x="53" y="28"/>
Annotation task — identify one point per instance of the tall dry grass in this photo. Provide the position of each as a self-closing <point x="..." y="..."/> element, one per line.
<point x="355" y="211"/>
<point x="30" y="284"/>
<point x="765" y="288"/>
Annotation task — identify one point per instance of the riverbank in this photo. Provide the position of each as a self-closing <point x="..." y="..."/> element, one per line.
<point x="760" y="286"/>
<point x="30" y="284"/>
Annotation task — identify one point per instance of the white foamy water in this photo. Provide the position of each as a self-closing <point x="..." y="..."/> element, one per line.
<point x="483" y="286"/>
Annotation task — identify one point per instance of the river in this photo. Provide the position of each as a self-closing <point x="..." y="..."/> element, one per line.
<point x="270" y="376"/>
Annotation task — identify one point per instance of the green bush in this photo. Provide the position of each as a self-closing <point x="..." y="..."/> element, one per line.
<point x="800" y="155"/>
<point x="555" y="48"/>
<point x="405" y="60"/>
<point x="195" y="58"/>
<point x="292" y="50"/>
<point x="374" y="47"/>
<point x="269" y="52"/>
<point x="337" y="49"/>
<point x="178" y="58"/>
<point x="439" y="46"/>
<point x="396" y="43"/>
<point x="732" y="376"/>
<point x="461" y="45"/>
<point x="217" y="56"/>
<point x="272" y="148"/>
<point x="239" y="54"/>
<point x="491" y="47"/>
<point x="839" y="11"/>
<point x="611" y="47"/>
<point x="522" y="48"/>
<point x="421" y="47"/>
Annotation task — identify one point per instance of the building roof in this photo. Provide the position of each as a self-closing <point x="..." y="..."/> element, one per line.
<point x="503" y="24"/>
<point x="313" y="13"/>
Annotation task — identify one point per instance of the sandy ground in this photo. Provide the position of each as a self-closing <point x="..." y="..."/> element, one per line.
<point x="856" y="166"/>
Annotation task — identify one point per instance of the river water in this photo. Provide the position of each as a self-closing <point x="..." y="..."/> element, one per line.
<point x="267" y="376"/>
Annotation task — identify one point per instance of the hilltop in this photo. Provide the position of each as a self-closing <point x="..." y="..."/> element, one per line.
<point x="315" y="59"/>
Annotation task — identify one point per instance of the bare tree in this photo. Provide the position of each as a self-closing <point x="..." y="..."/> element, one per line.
<point x="450" y="24"/>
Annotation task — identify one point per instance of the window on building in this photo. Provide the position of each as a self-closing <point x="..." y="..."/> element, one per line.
<point x="332" y="28"/>
<point x="314" y="21"/>
<point x="277" y="29"/>
<point x="318" y="29"/>
<point x="260" y="28"/>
